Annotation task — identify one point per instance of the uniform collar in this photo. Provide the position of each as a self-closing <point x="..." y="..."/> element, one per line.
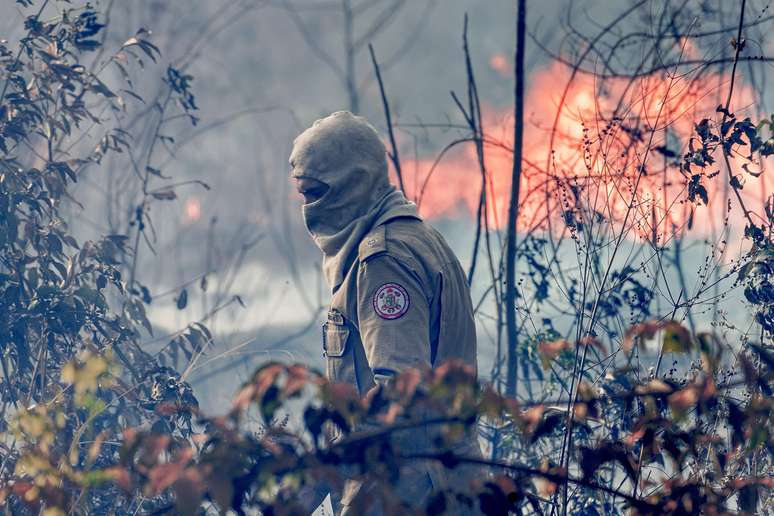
<point x="340" y="249"/>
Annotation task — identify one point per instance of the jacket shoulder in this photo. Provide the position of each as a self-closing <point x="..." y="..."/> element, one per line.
<point x="374" y="243"/>
<point x="403" y="238"/>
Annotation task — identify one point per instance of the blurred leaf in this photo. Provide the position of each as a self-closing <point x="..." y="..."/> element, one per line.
<point x="162" y="476"/>
<point x="669" y="153"/>
<point x="677" y="339"/>
<point x="222" y="491"/>
<point x="96" y="447"/>
<point x="547" y="426"/>
<point x="189" y="489"/>
<point x="683" y="400"/>
<point x="593" y="458"/>
<point x="550" y="350"/>
<point x="736" y="418"/>
<point x="748" y="498"/>
<point x="644" y="331"/>
<point x="766" y="355"/>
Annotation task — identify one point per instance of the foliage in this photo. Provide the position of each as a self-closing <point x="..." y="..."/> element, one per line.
<point x="752" y="144"/>
<point x="60" y="298"/>
<point x="670" y="430"/>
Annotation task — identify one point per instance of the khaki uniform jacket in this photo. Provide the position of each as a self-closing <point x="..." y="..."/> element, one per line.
<point x="405" y="302"/>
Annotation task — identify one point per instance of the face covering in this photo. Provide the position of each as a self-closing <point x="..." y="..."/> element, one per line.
<point x="345" y="152"/>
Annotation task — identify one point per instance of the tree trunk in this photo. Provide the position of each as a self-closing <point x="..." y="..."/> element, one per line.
<point x="513" y="205"/>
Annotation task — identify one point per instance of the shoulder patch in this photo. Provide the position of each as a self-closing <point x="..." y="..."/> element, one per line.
<point x="391" y="301"/>
<point x="372" y="244"/>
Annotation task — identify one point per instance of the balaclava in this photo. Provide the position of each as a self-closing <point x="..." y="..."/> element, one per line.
<point x="345" y="152"/>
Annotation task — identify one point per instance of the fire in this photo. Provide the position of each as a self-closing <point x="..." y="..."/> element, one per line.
<point x="499" y="63"/>
<point x="192" y="210"/>
<point x="615" y="150"/>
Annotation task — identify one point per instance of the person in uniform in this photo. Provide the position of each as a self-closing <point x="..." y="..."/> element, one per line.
<point x="400" y="298"/>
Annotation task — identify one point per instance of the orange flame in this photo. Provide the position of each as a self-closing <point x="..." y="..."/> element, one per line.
<point x="616" y="143"/>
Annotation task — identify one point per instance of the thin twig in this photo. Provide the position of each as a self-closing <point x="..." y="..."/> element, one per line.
<point x="394" y="154"/>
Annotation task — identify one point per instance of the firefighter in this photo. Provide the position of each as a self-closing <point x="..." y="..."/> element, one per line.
<point x="400" y="298"/>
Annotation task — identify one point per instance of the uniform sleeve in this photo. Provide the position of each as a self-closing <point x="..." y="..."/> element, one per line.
<point x="393" y="317"/>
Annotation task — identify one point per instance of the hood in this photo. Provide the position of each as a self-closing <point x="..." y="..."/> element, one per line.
<point x="345" y="152"/>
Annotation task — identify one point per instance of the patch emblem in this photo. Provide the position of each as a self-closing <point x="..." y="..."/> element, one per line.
<point x="391" y="301"/>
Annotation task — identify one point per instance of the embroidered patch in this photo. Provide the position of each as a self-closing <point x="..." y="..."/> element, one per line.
<point x="391" y="301"/>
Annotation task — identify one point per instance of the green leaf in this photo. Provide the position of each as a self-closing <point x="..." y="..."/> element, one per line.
<point x="164" y="195"/>
<point x="203" y="330"/>
<point x="87" y="44"/>
<point x="156" y="172"/>
<point x="100" y="88"/>
<point x="182" y="299"/>
<point x="146" y="295"/>
<point x="69" y="240"/>
<point x="92" y="297"/>
<point x="133" y="94"/>
<point x="136" y="311"/>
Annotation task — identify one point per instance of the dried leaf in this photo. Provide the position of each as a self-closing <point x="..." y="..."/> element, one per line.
<point x="677" y="339"/>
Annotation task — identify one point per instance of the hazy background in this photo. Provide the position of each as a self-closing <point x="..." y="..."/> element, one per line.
<point x="263" y="71"/>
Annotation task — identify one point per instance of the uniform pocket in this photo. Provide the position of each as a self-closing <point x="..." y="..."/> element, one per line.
<point x="339" y="359"/>
<point x="335" y="339"/>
